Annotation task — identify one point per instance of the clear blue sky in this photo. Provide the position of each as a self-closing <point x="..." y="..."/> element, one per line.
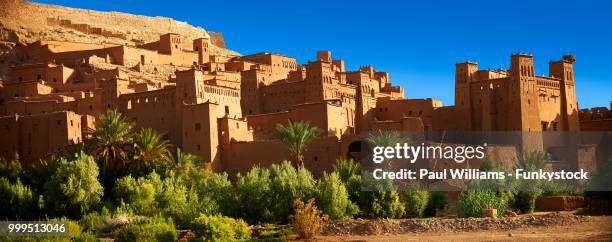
<point x="418" y="42"/>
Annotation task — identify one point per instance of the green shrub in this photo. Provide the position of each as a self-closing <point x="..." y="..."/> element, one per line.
<point x="152" y="195"/>
<point x="218" y="193"/>
<point x="349" y="173"/>
<point x="254" y="195"/>
<point x="74" y="188"/>
<point x="437" y="200"/>
<point x="415" y="202"/>
<point x="381" y="200"/>
<point x="94" y="220"/>
<point x="525" y="201"/>
<point x="88" y="236"/>
<point x="333" y="198"/>
<point x="287" y="184"/>
<point x="471" y="203"/>
<point x="139" y="194"/>
<point x="266" y="195"/>
<point x="10" y="169"/>
<point x="17" y="202"/>
<point x="220" y="228"/>
<point x="153" y="229"/>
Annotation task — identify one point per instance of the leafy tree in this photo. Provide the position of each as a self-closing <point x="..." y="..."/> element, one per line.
<point x="150" y="151"/>
<point x="74" y="188"/>
<point x="297" y="136"/>
<point x="266" y="195"/>
<point x="349" y="172"/>
<point x="37" y="174"/>
<point x="138" y="193"/>
<point x="346" y="168"/>
<point x="111" y="139"/>
<point x="380" y="200"/>
<point x="333" y="198"/>
<point x="10" y="169"/>
<point x="529" y="191"/>
<point x="288" y="183"/>
<point x="218" y="193"/>
<point x="255" y="196"/>
<point x="18" y="201"/>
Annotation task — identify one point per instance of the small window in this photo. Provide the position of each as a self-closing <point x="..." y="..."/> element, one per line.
<point x="71" y="123"/>
<point x="197" y="127"/>
<point x="6" y="127"/>
<point x="316" y="158"/>
<point x="20" y="79"/>
<point x="410" y="112"/>
<point x="198" y="147"/>
<point x="554" y="126"/>
<point x="420" y="112"/>
<point x="59" y="122"/>
<point x="54" y="79"/>
<point x="237" y="125"/>
<point x="39" y="77"/>
<point x="90" y="107"/>
<point x="544" y="125"/>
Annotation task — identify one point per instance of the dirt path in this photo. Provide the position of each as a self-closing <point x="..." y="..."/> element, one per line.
<point x="595" y="228"/>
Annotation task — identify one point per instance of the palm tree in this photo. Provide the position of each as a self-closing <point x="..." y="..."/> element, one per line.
<point x="110" y="141"/>
<point x="387" y="138"/>
<point x="150" y="150"/>
<point x="297" y="136"/>
<point x="531" y="160"/>
<point x="189" y="166"/>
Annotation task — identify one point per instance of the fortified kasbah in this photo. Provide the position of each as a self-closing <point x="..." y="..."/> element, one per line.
<point x="224" y="106"/>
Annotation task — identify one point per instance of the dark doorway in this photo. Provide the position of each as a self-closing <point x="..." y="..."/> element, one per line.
<point x="354" y="151"/>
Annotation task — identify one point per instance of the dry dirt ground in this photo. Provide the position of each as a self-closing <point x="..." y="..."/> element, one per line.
<point x="538" y="227"/>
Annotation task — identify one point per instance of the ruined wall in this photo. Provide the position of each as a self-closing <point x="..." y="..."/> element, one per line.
<point x="241" y="156"/>
<point x="216" y="38"/>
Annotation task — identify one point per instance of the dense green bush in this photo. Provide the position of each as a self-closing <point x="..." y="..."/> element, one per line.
<point x="525" y="201"/>
<point x="437" y="200"/>
<point x="415" y="201"/>
<point x="380" y="199"/>
<point x="218" y="194"/>
<point x="471" y="203"/>
<point x="149" y="229"/>
<point x="74" y="188"/>
<point x="10" y="170"/>
<point x="17" y="202"/>
<point x="266" y="195"/>
<point x="152" y="195"/>
<point x="287" y="184"/>
<point x="254" y="195"/>
<point x="220" y="228"/>
<point x="349" y="173"/>
<point x="94" y="220"/>
<point x="138" y="193"/>
<point x="332" y="198"/>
